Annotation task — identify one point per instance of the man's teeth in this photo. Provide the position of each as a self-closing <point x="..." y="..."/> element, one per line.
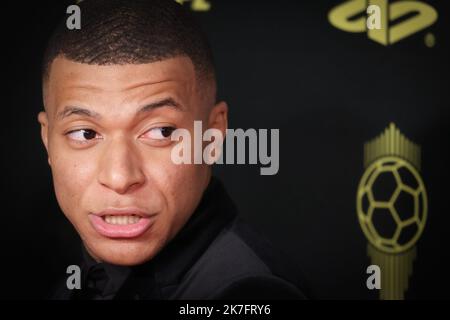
<point x="121" y="219"/>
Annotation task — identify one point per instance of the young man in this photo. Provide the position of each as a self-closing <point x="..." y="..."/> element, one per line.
<point x="114" y="91"/>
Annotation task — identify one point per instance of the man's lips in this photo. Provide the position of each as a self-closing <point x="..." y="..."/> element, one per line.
<point x="121" y="222"/>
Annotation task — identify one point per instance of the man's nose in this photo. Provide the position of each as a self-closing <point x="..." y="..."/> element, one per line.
<point x="120" y="167"/>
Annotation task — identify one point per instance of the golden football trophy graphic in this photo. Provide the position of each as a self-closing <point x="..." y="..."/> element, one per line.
<point x="392" y="208"/>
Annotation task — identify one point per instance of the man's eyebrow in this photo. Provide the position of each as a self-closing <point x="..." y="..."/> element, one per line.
<point x="167" y="102"/>
<point x="73" y="110"/>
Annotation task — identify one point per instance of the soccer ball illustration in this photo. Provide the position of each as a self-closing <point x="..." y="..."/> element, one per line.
<point x="392" y="204"/>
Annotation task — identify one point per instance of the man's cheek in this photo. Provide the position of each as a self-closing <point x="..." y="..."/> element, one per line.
<point x="71" y="183"/>
<point x="184" y="185"/>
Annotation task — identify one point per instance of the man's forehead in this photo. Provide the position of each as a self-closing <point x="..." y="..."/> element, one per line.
<point x="66" y="73"/>
<point x="108" y="84"/>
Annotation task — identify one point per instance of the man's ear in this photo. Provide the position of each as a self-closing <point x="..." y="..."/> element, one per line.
<point x="218" y="117"/>
<point x="43" y="120"/>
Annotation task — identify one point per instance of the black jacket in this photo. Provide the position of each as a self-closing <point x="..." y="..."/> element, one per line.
<point x="214" y="256"/>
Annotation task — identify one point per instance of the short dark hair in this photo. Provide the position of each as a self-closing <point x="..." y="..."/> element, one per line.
<point x="131" y="32"/>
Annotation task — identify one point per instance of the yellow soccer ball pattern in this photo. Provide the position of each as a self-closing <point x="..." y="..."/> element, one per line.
<point x="392" y="204"/>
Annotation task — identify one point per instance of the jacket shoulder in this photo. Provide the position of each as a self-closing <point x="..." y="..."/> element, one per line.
<point x="259" y="287"/>
<point x="237" y="264"/>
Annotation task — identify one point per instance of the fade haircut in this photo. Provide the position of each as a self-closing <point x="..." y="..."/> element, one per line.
<point x="117" y="32"/>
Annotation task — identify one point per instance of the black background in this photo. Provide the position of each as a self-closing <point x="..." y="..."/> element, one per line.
<point x="280" y="64"/>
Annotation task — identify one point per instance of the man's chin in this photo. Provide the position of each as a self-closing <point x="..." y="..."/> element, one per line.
<point x="122" y="252"/>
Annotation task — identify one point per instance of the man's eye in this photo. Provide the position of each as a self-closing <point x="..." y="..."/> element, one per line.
<point x="160" y="133"/>
<point x="82" y="135"/>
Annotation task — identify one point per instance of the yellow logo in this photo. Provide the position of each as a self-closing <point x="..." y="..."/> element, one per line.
<point x="349" y="16"/>
<point x="391" y="200"/>
<point x="197" y="5"/>
<point x="392" y="207"/>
